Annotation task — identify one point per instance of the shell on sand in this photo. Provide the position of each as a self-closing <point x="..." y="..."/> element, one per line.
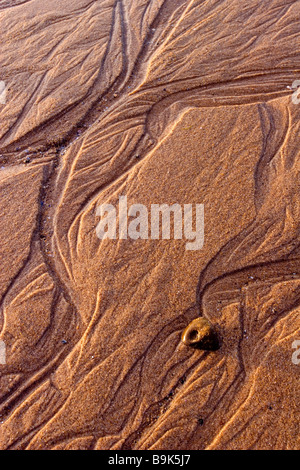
<point x="201" y="334"/>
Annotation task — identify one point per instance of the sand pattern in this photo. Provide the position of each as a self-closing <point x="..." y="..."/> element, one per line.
<point x="164" y="101"/>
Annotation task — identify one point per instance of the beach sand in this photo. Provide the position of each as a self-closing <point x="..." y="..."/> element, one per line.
<point x="164" y="102"/>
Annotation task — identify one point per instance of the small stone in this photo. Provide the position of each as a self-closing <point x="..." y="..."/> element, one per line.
<point x="200" y="334"/>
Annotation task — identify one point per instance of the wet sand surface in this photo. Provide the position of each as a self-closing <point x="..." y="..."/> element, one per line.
<point x="162" y="101"/>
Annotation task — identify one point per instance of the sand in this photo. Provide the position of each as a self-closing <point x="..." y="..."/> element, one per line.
<point x="164" y="102"/>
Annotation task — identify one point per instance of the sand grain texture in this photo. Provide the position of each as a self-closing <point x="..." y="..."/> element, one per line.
<point x="165" y="101"/>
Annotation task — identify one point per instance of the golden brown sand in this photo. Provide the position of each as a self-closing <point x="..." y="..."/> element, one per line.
<point x="164" y="101"/>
